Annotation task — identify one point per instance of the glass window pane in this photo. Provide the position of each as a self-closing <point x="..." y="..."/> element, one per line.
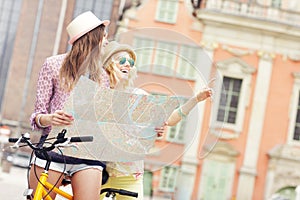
<point x="237" y="85"/>
<point x="221" y="115"/>
<point x="297" y="133"/>
<point x="234" y="101"/>
<point x="231" y="117"/>
<point x="226" y="83"/>
<point x="297" y="122"/>
<point x="228" y="106"/>
<point x="298" y="116"/>
<point x="223" y="99"/>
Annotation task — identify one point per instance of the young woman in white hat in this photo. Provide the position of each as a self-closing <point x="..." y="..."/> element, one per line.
<point x="57" y="78"/>
<point x="119" y="63"/>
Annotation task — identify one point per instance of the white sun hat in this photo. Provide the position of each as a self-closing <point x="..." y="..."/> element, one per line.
<point x="113" y="48"/>
<point x="82" y="24"/>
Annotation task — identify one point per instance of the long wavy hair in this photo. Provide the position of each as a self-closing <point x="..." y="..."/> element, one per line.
<point x="114" y="73"/>
<point x="83" y="59"/>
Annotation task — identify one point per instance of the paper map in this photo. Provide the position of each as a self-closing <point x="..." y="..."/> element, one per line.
<point x="122" y="123"/>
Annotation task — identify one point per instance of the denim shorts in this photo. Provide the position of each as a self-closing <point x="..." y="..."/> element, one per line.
<point x="65" y="164"/>
<point x="68" y="169"/>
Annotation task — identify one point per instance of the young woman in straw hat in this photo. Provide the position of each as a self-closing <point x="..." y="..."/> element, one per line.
<point x="119" y="63"/>
<point x="57" y="78"/>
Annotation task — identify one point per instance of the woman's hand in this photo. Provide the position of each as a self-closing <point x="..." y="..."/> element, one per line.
<point x="204" y="94"/>
<point x="58" y="118"/>
<point x="61" y="118"/>
<point x="160" y="130"/>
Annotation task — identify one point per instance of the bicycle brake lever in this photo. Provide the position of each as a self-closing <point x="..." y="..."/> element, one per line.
<point x="16" y="145"/>
<point x="67" y="144"/>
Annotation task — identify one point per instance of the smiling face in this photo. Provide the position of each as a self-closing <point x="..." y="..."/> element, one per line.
<point x="124" y="62"/>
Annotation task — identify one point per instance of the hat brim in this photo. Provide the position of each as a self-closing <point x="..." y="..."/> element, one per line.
<point x="120" y="48"/>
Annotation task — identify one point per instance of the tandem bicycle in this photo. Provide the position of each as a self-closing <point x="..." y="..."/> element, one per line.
<point x="44" y="188"/>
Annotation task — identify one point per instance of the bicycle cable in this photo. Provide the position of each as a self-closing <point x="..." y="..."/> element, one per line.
<point x="61" y="175"/>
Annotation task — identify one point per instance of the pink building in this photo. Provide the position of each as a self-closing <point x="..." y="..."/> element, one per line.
<point x="245" y="144"/>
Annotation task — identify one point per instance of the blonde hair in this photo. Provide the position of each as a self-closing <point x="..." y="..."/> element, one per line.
<point x="83" y="58"/>
<point x="114" y="73"/>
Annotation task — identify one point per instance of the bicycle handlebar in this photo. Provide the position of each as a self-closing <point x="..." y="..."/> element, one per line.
<point x="12" y="140"/>
<point x="119" y="191"/>
<point x="59" y="140"/>
<point x="72" y="139"/>
<point x="82" y="139"/>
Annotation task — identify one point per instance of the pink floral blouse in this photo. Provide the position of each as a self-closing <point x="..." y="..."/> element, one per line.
<point x="50" y="97"/>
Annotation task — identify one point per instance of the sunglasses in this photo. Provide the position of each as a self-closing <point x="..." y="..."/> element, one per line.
<point x="123" y="60"/>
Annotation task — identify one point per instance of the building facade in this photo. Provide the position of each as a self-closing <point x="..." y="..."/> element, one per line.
<point x="244" y="144"/>
<point x="247" y="144"/>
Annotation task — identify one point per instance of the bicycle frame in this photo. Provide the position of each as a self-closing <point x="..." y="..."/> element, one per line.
<point x="41" y="193"/>
<point x="43" y="184"/>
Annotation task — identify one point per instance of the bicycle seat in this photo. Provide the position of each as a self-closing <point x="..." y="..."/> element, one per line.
<point x="105" y="176"/>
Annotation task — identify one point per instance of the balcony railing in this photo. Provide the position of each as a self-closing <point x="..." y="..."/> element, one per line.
<point x="252" y="9"/>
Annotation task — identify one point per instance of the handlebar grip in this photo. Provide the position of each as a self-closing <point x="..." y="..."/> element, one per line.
<point x="128" y="193"/>
<point x="82" y="139"/>
<point x="14" y="140"/>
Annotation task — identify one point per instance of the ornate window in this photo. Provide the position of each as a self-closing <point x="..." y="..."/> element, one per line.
<point x="168" y="178"/>
<point x="166" y="11"/>
<point x="165" y="58"/>
<point x="232" y="95"/>
<point x="294" y="127"/>
<point x="169" y="58"/>
<point x="176" y="133"/>
<point x="190" y="60"/>
<point x="144" y="50"/>
<point x="276" y="3"/>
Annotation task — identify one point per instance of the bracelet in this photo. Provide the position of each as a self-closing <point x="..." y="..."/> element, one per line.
<point x="181" y="113"/>
<point x="39" y="123"/>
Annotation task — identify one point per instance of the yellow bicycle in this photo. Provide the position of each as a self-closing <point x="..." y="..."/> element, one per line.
<point x="44" y="188"/>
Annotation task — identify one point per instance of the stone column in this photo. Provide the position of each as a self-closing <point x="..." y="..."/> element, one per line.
<point x="248" y="171"/>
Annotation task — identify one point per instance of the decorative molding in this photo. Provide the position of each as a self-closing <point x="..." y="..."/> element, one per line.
<point x="237" y="52"/>
<point x="296" y="76"/>
<point x="266" y="55"/>
<point x="244" y="67"/>
<point x="226" y="135"/>
<point x="209" y="45"/>
<point x="284" y="159"/>
<point x="285" y="152"/>
<point x="223" y="149"/>
<point x="248" y="170"/>
<point x="294" y="57"/>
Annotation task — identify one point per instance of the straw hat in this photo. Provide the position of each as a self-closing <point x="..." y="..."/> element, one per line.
<point x="114" y="47"/>
<point x="82" y="24"/>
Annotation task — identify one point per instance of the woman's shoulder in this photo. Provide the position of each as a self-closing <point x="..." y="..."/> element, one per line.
<point x="56" y="58"/>
<point x="54" y="62"/>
